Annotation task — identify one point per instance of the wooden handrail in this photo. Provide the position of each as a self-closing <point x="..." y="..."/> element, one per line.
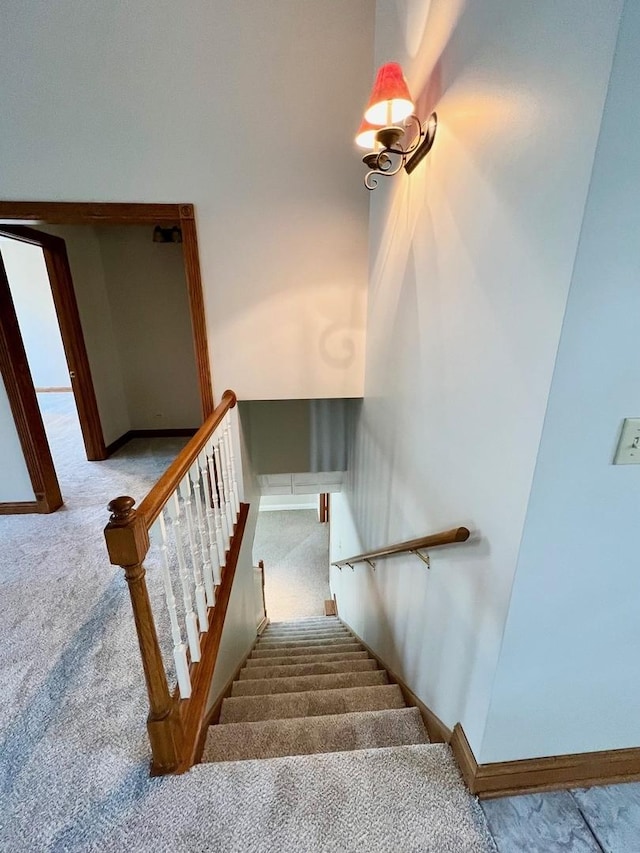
<point x="151" y="505"/>
<point x="447" y="537"/>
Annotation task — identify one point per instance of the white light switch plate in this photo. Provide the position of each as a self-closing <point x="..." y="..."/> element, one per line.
<point x="628" y="452"/>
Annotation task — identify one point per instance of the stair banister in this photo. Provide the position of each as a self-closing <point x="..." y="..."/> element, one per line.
<point x="411" y="546"/>
<point x="181" y="507"/>
<point x="170" y="480"/>
<point x="127" y="540"/>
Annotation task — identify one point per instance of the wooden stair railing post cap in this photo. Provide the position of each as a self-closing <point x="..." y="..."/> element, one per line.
<point x="126" y="534"/>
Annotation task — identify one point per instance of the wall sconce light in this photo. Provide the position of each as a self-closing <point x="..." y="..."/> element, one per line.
<point x="388" y="117"/>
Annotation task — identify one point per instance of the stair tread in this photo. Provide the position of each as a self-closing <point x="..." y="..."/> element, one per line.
<point x="279" y="651"/>
<point x="300" y="683"/>
<point x="325" y="625"/>
<point x="320" y="641"/>
<point x="257" y="663"/>
<point x="311" y="703"/>
<point x="321" y="668"/>
<point x="396" y="798"/>
<point x="310" y="735"/>
<point x="304" y="635"/>
<point x="303" y="619"/>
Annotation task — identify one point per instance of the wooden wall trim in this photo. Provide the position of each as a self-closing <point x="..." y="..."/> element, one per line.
<point x="178" y="432"/>
<point x="20" y="507"/>
<point x="196" y="302"/>
<point x="438" y="732"/>
<point x="464" y="757"/>
<point x="102" y="213"/>
<point x="553" y="773"/>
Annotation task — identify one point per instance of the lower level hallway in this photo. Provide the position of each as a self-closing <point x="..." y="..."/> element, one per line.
<point x="294" y="547"/>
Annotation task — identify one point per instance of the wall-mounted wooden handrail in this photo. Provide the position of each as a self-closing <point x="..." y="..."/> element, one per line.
<point x="412" y="546"/>
<point x="150" y="507"/>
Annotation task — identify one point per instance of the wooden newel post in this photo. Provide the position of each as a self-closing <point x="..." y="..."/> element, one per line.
<point x="127" y="540"/>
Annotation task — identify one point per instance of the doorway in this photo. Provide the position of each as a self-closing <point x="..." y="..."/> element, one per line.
<point x="37" y="274"/>
<point x="20" y="392"/>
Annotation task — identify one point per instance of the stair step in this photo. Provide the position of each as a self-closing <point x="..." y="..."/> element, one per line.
<point x="300" y="619"/>
<point x="298" y="684"/>
<point x="318" y="629"/>
<point x="296" y="651"/>
<point x="310" y="621"/>
<point x="300" y="639"/>
<point x="401" y="798"/>
<point x="292" y="644"/>
<point x="294" y="669"/>
<point x="305" y="635"/>
<point x="311" y="703"/>
<point x="303" y="659"/>
<point x="309" y="735"/>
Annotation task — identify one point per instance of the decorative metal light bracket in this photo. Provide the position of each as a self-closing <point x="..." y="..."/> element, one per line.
<point x="391" y="157"/>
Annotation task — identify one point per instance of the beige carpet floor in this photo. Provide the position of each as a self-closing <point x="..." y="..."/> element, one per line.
<point x="295" y="550"/>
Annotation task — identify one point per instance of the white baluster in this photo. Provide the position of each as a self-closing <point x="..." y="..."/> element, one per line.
<point x="235" y="503"/>
<point x="217" y="558"/>
<point x="158" y="535"/>
<point x="203" y="530"/>
<point x="225" y="480"/>
<point x="196" y="564"/>
<point x="220" y="530"/>
<point x="173" y="508"/>
<point x="227" y="529"/>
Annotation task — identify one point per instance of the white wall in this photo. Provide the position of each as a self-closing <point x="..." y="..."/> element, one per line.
<point x="471" y="263"/>
<point x="567" y="678"/>
<point x="149" y="307"/>
<point x="15" y="483"/>
<point x="31" y="293"/>
<point x="248" y="110"/>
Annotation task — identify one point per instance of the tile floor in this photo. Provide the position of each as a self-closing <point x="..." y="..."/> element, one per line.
<point x="584" y="820"/>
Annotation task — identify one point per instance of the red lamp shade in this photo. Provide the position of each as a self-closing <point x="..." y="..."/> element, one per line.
<point x="366" y="135"/>
<point x="390" y="101"/>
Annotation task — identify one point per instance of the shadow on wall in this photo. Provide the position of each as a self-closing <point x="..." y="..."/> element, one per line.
<point x="297" y="436"/>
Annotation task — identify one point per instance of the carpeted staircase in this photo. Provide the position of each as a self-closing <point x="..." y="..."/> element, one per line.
<point x="310" y="687"/>
<point x="330" y="743"/>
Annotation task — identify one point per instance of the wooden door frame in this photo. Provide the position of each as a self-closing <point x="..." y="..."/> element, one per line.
<point x="115" y="213"/>
<point x="26" y="414"/>
<point x="59" y="272"/>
